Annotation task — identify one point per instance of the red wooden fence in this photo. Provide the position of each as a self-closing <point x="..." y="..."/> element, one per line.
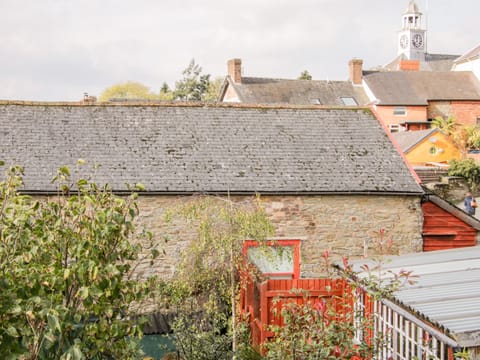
<point x="262" y="301"/>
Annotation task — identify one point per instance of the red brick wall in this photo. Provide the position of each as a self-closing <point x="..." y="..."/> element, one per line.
<point x="465" y="112"/>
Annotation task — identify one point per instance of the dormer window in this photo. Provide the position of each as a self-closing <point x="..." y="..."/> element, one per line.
<point x="349" y="101"/>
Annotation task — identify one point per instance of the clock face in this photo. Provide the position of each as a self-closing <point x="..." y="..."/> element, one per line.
<point x="417" y="41"/>
<point x="403" y="41"/>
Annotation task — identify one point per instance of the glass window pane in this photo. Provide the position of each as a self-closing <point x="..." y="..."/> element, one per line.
<point x="272" y="259"/>
<point x="349" y="101"/>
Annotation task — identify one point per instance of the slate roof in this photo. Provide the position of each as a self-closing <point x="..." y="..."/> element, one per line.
<point x="254" y="90"/>
<point x="199" y="148"/>
<point x="419" y="87"/>
<point x="407" y="140"/>
<point x="432" y="62"/>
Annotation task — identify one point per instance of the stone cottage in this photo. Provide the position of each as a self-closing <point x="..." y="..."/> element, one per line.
<point x="329" y="178"/>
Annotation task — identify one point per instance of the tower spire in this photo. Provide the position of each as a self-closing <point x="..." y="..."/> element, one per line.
<point x="412" y="17"/>
<point x="411" y="38"/>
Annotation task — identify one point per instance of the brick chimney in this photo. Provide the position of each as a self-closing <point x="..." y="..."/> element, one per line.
<point x="409" y="65"/>
<point x="234" y="68"/>
<point x="88" y="99"/>
<point x="356" y="68"/>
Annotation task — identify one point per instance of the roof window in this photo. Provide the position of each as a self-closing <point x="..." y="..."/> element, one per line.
<point x="349" y="101"/>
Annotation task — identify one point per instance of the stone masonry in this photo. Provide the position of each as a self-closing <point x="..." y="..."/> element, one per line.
<point x="346" y="225"/>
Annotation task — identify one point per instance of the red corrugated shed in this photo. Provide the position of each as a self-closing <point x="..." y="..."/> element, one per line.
<point x="446" y="226"/>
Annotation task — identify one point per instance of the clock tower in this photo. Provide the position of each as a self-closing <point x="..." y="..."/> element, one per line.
<point x="411" y="39"/>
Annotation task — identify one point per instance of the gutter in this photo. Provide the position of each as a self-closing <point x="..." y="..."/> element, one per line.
<point x="223" y="192"/>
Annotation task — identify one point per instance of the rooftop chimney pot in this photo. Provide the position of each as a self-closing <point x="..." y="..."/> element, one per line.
<point x="234" y="68"/>
<point x="356" y="69"/>
<point x="409" y="65"/>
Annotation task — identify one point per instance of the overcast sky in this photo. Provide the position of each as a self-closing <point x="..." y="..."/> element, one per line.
<point x="59" y="49"/>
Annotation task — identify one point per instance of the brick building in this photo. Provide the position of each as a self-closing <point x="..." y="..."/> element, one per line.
<point x="409" y="100"/>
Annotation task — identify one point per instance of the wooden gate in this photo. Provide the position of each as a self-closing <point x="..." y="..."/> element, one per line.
<point x="262" y="301"/>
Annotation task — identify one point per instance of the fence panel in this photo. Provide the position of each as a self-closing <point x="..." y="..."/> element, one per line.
<point x="262" y="301"/>
<point x="396" y="336"/>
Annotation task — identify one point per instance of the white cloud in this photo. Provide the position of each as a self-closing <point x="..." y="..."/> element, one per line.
<point x="57" y="49"/>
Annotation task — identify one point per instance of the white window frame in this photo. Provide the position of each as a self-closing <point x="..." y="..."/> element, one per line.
<point x="400" y="111"/>
<point x="396" y="128"/>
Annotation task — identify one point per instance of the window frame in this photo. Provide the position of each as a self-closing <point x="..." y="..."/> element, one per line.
<point x="400" y="111"/>
<point x="294" y="243"/>
<point x="349" y="101"/>
<point x="396" y="128"/>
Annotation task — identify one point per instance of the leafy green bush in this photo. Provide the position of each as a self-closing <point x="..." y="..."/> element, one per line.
<point x="468" y="169"/>
<point x="313" y="330"/>
<point x="328" y="328"/>
<point x="205" y="287"/>
<point x="65" y="263"/>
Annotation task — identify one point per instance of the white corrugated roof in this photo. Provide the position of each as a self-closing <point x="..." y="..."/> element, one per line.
<point x="446" y="291"/>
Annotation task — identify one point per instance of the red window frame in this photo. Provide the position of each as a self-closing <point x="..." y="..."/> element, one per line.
<point x="294" y="243"/>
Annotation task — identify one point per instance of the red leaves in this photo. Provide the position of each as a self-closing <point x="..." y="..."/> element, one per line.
<point x="320" y="306"/>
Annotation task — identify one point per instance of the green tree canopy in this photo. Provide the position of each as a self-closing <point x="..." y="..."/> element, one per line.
<point x="213" y="90"/>
<point x="447" y="125"/>
<point x="205" y="287"/>
<point x="194" y="85"/>
<point x="468" y="169"/>
<point x="305" y="75"/>
<point x="464" y="137"/>
<point x="65" y="265"/>
<point x="127" y="90"/>
<point x="165" y="92"/>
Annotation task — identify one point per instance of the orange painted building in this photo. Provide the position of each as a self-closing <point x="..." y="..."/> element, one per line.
<point x="426" y="146"/>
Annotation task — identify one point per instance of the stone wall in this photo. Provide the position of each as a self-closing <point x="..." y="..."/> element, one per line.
<point x="439" y="108"/>
<point x="344" y="225"/>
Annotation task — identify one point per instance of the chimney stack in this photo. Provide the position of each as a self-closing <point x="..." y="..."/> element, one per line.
<point x="88" y="99"/>
<point x="409" y="65"/>
<point x="234" y="68"/>
<point x="356" y="68"/>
